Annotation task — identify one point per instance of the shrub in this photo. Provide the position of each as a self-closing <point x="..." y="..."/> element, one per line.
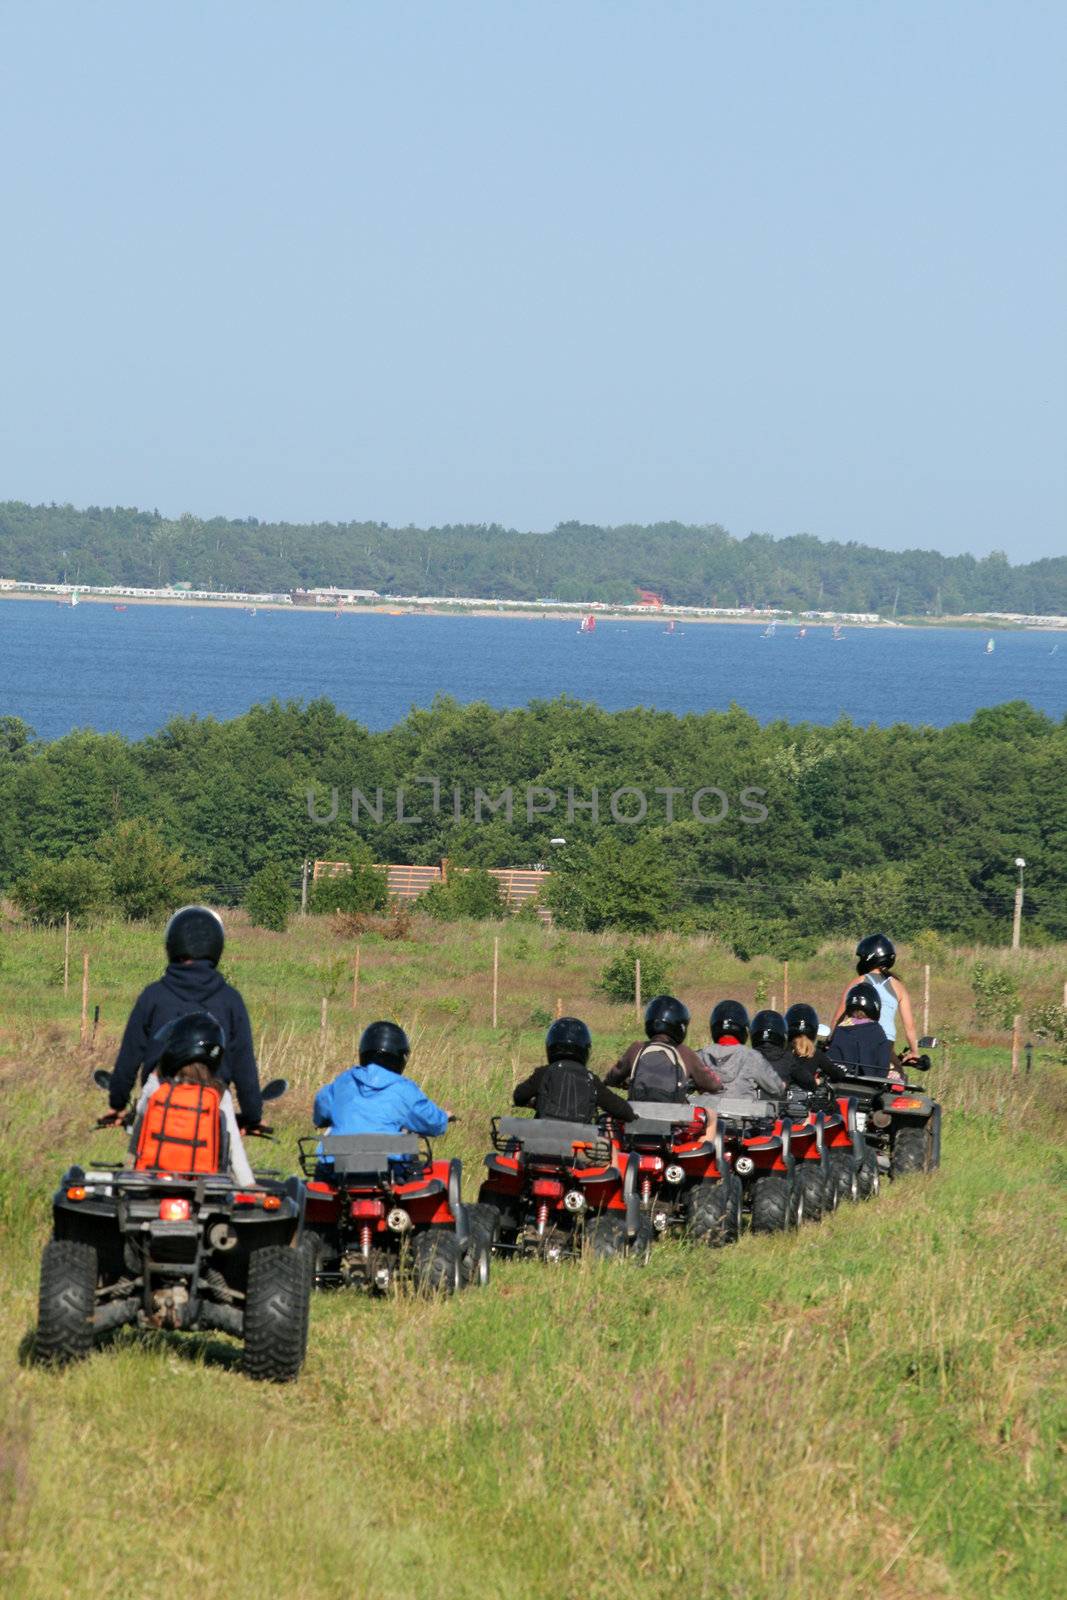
<point x="362" y="888"/>
<point x="996" y="998"/>
<point x="474" y="893"/>
<point x="1048" y="1024"/>
<point x="146" y="877"/>
<point x="618" y="981"/>
<point x="269" y="898"/>
<point x="48" y="890"/>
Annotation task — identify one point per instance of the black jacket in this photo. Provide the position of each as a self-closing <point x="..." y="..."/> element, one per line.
<point x="861" y="1047"/>
<point x="790" y="1068"/>
<point x="525" y="1094"/>
<point x="184" y="987"/>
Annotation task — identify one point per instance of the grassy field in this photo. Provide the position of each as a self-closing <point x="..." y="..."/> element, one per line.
<point x="875" y="1406"/>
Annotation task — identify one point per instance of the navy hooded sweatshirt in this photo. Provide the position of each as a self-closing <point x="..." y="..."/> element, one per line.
<point x="189" y="986"/>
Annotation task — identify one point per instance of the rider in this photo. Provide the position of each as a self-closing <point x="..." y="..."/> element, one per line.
<point x="743" y="1071"/>
<point x="194" y="940"/>
<point x="802" y="1030"/>
<point x="858" y="1042"/>
<point x="375" y="1097"/>
<point x="661" y="1066"/>
<point x="564" y="1088"/>
<point x="191" y="1050"/>
<point x="875" y="955"/>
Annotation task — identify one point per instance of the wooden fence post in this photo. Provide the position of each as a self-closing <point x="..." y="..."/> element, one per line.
<point x="1016" y="1035"/>
<point x="785" y="985"/>
<point x="496" y="974"/>
<point x="66" y="952"/>
<point x="926" y="999"/>
<point x="304" y="889"/>
<point x="637" y="988"/>
<point x="355" y="979"/>
<point x="85" y="996"/>
<point x="559" y="1005"/>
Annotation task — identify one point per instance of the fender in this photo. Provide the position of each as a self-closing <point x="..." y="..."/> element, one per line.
<point x="631" y="1195"/>
<point x="455" y="1203"/>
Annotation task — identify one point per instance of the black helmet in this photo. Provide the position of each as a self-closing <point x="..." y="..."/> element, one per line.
<point x="729" y="1017"/>
<point x="768" y="1027"/>
<point x="802" y="1021"/>
<point x="665" y="1014"/>
<point x="863" y="997"/>
<point x="386" y="1044"/>
<point x="195" y="1037"/>
<point x="568" y="1039"/>
<point x="195" y="934"/>
<point x="875" y="951"/>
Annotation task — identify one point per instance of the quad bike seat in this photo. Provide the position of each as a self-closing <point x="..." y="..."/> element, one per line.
<point x="737" y="1108"/>
<point x="655" y="1117"/>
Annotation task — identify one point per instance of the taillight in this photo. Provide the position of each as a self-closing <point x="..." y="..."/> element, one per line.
<point x="174" y="1211"/>
<point x="362" y="1208"/>
<point x="907" y="1105"/>
<point x="547" y="1188"/>
<point x="77" y="1191"/>
<point x="272" y="1202"/>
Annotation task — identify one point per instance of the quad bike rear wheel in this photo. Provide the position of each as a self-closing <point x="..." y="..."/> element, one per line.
<point x="277" y="1305"/>
<point x="713" y="1211"/>
<point x="483" y="1226"/>
<point x="773" y="1203"/>
<point x="66" y="1303"/>
<point x="843" y="1177"/>
<point x="605" y="1238"/>
<point x="911" y="1151"/>
<point x="868" y="1180"/>
<point x="812" y="1180"/>
<point x="438" y="1262"/>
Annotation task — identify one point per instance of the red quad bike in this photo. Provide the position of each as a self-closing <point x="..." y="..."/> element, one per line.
<point x="758" y="1145"/>
<point x="812" y="1171"/>
<point x="555" y="1186"/>
<point x="167" y="1250"/>
<point x="684" y="1182"/>
<point x="380" y="1211"/>
<point x="901" y="1124"/>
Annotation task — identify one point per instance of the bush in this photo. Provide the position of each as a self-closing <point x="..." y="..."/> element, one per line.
<point x="269" y="898"/>
<point x="362" y="888"/>
<point x="146" y="877"/>
<point x="47" y="890"/>
<point x="618" y="981"/>
<point x="474" y="893"/>
<point x="1048" y="1024"/>
<point x="996" y="998"/>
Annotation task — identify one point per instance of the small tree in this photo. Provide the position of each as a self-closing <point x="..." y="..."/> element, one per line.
<point x="618" y="981"/>
<point x="1049" y="1025"/>
<point x="269" y="898"/>
<point x="996" y="998"/>
<point x="363" y="887"/>
<point x="48" y="890"/>
<point x="146" y="876"/>
<point x="474" y="894"/>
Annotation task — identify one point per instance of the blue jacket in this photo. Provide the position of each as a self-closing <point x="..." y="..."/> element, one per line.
<point x="372" y="1099"/>
<point x="184" y="987"/>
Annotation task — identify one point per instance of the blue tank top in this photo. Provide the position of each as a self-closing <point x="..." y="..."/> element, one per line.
<point x="890" y="1003"/>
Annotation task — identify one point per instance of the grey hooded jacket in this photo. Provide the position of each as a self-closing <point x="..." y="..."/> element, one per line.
<point x="744" y="1072"/>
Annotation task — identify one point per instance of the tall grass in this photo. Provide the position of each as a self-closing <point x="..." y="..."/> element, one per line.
<point x="874" y="1407"/>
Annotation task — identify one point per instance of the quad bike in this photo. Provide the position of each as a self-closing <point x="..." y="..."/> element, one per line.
<point x="555" y="1187"/>
<point x="170" y="1250"/>
<point x="380" y="1210"/>
<point x="758" y="1146"/>
<point x="900" y="1123"/>
<point x="683" y="1181"/>
<point x="812" y="1171"/>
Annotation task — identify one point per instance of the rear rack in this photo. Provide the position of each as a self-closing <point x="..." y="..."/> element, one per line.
<point x="546" y="1138"/>
<point x="362" y="1155"/>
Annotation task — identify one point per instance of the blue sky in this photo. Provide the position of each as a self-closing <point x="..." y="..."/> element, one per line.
<point x="780" y="266"/>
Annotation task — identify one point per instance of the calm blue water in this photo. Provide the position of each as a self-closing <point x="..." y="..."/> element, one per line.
<point x="63" y="668"/>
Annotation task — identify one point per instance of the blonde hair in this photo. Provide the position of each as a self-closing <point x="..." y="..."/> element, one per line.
<point x="803" y="1047"/>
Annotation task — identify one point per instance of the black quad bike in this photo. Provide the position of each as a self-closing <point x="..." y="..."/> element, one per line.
<point x="899" y="1121"/>
<point x="381" y="1211"/>
<point x="162" y="1250"/>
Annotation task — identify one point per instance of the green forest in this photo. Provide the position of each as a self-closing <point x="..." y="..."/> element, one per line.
<point x="687" y="565"/>
<point x="769" y="836"/>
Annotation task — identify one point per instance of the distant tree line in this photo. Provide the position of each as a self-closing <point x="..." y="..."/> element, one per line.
<point x="907" y="828"/>
<point x="688" y="565"/>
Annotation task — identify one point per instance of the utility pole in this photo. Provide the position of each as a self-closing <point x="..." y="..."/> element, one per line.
<point x="1017" y="919"/>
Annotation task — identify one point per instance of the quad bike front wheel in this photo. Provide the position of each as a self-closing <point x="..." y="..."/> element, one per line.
<point x="277" y="1307"/>
<point x="66" y="1303"/>
<point x="911" y="1152"/>
<point x="774" y="1204"/>
<point x="868" y="1180"/>
<point x="843" y="1177"/>
<point x="605" y="1238"/>
<point x="438" y="1262"/>
<point x="812" y="1181"/>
